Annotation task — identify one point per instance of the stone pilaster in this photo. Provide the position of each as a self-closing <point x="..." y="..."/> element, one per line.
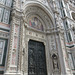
<point x="61" y="41"/>
<point x="13" y="61"/>
<point x="63" y="54"/>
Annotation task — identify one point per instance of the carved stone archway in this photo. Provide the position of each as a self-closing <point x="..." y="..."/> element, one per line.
<point x="43" y="36"/>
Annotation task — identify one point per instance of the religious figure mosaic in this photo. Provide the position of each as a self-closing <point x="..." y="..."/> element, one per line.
<point x="36" y="23"/>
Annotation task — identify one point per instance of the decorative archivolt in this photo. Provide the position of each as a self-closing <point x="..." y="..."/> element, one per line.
<point x="40" y="14"/>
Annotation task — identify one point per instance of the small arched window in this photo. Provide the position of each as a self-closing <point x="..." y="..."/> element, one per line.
<point x="36" y="23"/>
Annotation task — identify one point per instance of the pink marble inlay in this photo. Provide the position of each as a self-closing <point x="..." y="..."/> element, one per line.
<point x="15" y="42"/>
<point x="13" y="58"/>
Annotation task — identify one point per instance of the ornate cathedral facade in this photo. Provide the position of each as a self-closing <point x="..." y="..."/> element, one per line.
<point x="37" y="37"/>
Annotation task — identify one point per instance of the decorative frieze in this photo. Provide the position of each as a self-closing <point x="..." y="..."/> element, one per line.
<point x="35" y="34"/>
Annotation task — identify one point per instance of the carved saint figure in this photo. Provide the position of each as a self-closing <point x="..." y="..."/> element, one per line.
<point x="55" y="61"/>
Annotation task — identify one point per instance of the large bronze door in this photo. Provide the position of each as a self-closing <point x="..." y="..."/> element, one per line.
<point x="36" y="58"/>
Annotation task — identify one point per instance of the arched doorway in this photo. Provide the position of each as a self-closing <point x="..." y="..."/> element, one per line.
<point x="36" y="58"/>
<point x="37" y="27"/>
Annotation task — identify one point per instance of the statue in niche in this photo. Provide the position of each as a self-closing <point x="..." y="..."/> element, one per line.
<point x="55" y="62"/>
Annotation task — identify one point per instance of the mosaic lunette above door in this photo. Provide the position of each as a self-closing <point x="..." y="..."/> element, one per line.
<point x="36" y="23"/>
